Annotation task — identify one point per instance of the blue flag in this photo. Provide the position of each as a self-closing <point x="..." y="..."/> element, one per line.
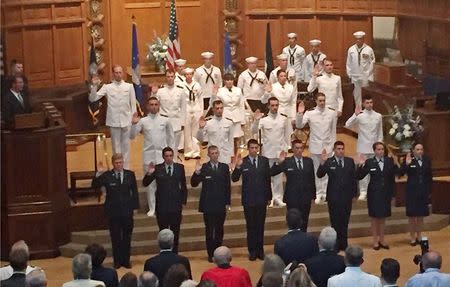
<point x="135" y="72"/>
<point x="227" y="62"/>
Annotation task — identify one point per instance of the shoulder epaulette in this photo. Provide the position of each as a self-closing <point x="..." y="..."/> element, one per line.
<point x="332" y="109"/>
<point x="178" y="86"/>
<point x="166" y="116"/>
<point x="208" y="118"/>
<point x="229" y="119"/>
<point x="284" y="115"/>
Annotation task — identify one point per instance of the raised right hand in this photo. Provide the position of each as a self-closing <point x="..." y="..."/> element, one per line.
<point x="357" y="110"/>
<point x="268" y="87"/>
<point x="257" y="114"/>
<point x="100" y="167"/>
<point x="323" y="156"/>
<point x="301" y="107"/>
<point x="151" y="168"/>
<point x="95" y="80"/>
<point x="237" y="160"/>
<point x="317" y="69"/>
<point x="198" y="165"/>
<point x="282" y="156"/>
<point x="135" y="118"/>
<point x="202" y="122"/>
<point x="408" y="158"/>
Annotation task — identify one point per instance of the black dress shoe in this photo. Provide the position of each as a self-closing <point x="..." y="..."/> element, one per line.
<point x="127" y="265"/>
<point x="383" y="246"/>
<point x="377" y="247"/>
<point x="413" y="243"/>
<point x="210" y="259"/>
<point x="260" y="255"/>
<point x="252" y="257"/>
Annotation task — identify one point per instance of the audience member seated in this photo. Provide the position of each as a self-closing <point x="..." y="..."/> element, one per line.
<point x="206" y="283"/>
<point x="99" y="272"/>
<point x="353" y="275"/>
<point x="176" y="275"/>
<point x="432" y="276"/>
<point x="81" y="270"/>
<point x="189" y="283"/>
<point x="272" y="263"/>
<point x="272" y="279"/>
<point x="18" y="259"/>
<point x="7" y="271"/>
<point x="147" y="279"/>
<point x="390" y="271"/>
<point x="160" y="263"/>
<point x="299" y="277"/>
<point x="296" y="245"/>
<point x="128" y="280"/>
<point x="36" y="278"/>
<point x="327" y="263"/>
<point x="225" y="275"/>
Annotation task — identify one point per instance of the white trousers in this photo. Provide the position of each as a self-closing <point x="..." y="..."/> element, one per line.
<point x="363" y="183"/>
<point x="277" y="184"/>
<point x="191" y="144"/>
<point x="321" y="183"/>
<point x="177" y="136"/>
<point x="357" y="91"/>
<point x="120" y="140"/>
<point x="151" y="190"/>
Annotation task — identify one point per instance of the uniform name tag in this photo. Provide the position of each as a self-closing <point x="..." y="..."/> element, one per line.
<point x="112" y="184"/>
<point x="373" y="169"/>
<point x="208" y="177"/>
<point x="245" y="169"/>
<point x="332" y="167"/>
<point x="413" y="166"/>
<point x="290" y="169"/>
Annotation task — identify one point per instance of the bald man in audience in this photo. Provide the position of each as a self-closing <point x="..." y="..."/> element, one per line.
<point x="148" y="279"/>
<point x="432" y="275"/>
<point x="225" y="275"/>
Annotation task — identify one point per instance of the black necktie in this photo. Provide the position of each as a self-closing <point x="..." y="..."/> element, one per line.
<point x="340" y="162"/>
<point x="254" y="162"/>
<point x="359" y="55"/>
<point x="118" y="176"/>
<point x="209" y="76"/>
<point x="315" y="61"/>
<point x="169" y="170"/>
<point x="230" y="90"/>
<point x="253" y="78"/>
<point x="291" y="56"/>
<point x="191" y="93"/>
<point x="19" y="95"/>
<point x="299" y="164"/>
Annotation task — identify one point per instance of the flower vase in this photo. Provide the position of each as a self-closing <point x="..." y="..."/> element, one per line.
<point x="160" y="67"/>
<point x="405" y="146"/>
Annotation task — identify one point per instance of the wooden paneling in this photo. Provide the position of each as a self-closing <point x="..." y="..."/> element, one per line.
<point x="304" y="27"/>
<point x="356" y="6"/>
<point x="49" y="37"/>
<point x="384" y="7"/>
<point x="329" y="5"/>
<point x="299" y="5"/>
<point x="329" y="29"/>
<point x="255" y="34"/>
<point x="263" y="5"/>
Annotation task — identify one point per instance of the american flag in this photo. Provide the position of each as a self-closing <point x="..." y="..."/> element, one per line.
<point x="173" y="46"/>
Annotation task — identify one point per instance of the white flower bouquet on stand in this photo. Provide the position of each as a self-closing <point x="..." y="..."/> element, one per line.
<point x="405" y="127"/>
<point x="157" y="52"/>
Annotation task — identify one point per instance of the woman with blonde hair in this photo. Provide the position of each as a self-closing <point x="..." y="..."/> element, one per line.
<point x="299" y="277"/>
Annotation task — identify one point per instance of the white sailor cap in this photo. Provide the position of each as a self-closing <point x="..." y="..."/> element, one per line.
<point x="180" y="62"/>
<point x="188" y="70"/>
<point x="315" y="42"/>
<point x="292" y="35"/>
<point x="251" y="60"/>
<point x="282" y="57"/>
<point x="359" y="34"/>
<point x="207" y="55"/>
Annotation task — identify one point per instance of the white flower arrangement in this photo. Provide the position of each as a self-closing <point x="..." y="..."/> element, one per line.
<point x="404" y="127"/>
<point x="157" y="50"/>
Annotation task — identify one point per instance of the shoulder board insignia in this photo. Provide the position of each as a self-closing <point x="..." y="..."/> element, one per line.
<point x="166" y="116"/>
<point x="229" y="119"/>
<point x="208" y="118"/>
<point x="284" y="115"/>
<point x="178" y="86"/>
<point x="332" y="109"/>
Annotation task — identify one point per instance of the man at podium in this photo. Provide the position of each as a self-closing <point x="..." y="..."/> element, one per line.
<point x="15" y="101"/>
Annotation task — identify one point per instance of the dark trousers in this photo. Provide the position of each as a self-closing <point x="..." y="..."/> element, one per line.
<point x="120" y="229"/>
<point x="213" y="230"/>
<point x="255" y="218"/>
<point x="304" y="207"/>
<point x="172" y="221"/>
<point x="339" y="218"/>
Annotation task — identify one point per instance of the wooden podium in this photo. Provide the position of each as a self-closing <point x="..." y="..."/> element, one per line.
<point x="34" y="201"/>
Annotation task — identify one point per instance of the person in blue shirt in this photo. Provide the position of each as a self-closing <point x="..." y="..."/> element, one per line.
<point x="432" y="276"/>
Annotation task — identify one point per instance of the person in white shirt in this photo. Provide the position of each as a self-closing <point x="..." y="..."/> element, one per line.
<point x="314" y="58"/>
<point x="322" y="124"/>
<point x="180" y="65"/>
<point x="219" y="132"/>
<point x="283" y="65"/>
<point x="194" y="110"/>
<point x="285" y="93"/>
<point x="209" y="77"/>
<point x="360" y="63"/>
<point x="328" y="84"/>
<point x="353" y="275"/>
<point x="296" y="56"/>
<point x="121" y="106"/>
<point x="81" y="270"/>
<point x="233" y="106"/>
<point x="7" y="271"/>
<point x="158" y="134"/>
<point x="275" y="134"/>
<point x="252" y="82"/>
<point x="172" y="99"/>
<point x="370" y="131"/>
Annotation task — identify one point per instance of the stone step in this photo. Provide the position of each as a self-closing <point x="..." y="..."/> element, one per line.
<point x="238" y="239"/>
<point x="232" y="225"/>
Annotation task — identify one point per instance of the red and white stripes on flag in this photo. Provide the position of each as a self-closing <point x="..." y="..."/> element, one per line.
<point x="173" y="46"/>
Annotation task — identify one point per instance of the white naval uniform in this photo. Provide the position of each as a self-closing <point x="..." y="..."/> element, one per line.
<point x="219" y="132"/>
<point x="179" y="79"/>
<point x="330" y="85"/>
<point x="207" y="78"/>
<point x="233" y="107"/>
<point x="322" y="125"/>
<point x="120" y="109"/>
<point x="276" y="133"/>
<point x="173" y="105"/>
<point x="296" y="56"/>
<point x="194" y="110"/>
<point x="370" y="130"/>
<point x="158" y="134"/>
<point x="292" y="78"/>
<point x="252" y="84"/>
<point x="310" y="62"/>
<point x="287" y="98"/>
<point x="360" y="62"/>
